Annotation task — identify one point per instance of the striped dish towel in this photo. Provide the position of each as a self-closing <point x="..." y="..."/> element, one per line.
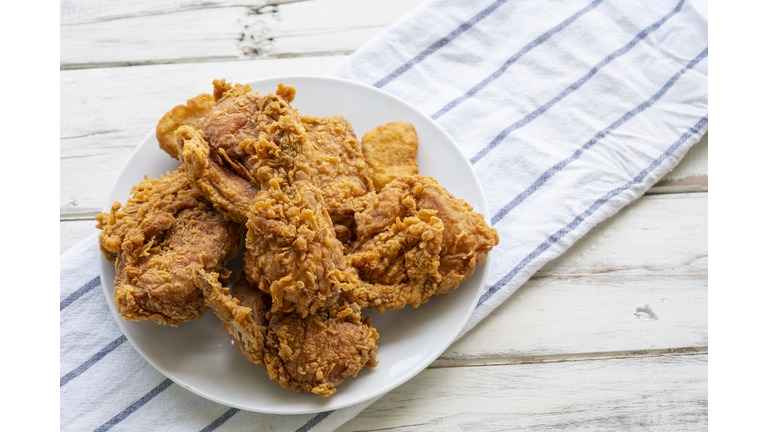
<point x="568" y="110"/>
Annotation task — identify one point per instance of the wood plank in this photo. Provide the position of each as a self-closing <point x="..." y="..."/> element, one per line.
<point x="74" y="12"/>
<point x="73" y="232"/>
<point x="105" y="113"/>
<point x="184" y="32"/>
<point x="654" y="393"/>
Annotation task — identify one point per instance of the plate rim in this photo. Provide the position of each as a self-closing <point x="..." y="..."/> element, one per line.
<point x="409" y="374"/>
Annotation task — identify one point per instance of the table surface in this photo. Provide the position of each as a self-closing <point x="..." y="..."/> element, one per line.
<point x="610" y="335"/>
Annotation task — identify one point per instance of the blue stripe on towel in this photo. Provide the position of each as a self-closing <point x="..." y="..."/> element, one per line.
<point x="91" y="361"/>
<point x="135" y="406"/>
<point x="533" y="44"/>
<point x="314" y="421"/>
<point x="563" y="163"/>
<point x="93" y="283"/>
<point x="439" y="44"/>
<point x="596" y="205"/>
<point x="219" y="421"/>
<point x="575" y="86"/>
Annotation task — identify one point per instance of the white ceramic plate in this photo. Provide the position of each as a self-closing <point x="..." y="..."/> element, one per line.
<point x="200" y="357"/>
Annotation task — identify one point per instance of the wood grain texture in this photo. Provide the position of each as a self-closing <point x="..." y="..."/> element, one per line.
<point x="98" y="34"/>
<point x="638" y="394"/>
<point x="73" y="232"/>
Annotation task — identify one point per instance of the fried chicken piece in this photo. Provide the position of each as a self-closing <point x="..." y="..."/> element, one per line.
<point x="390" y="152"/>
<point x="293" y="253"/>
<point x="182" y="115"/>
<point x="342" y="173"/>
<point x="311" y="354"/>
<point x="399" y="266"/>
<point x="229" y="192"/>
<point x="220" y="152"/>
<point x="165" y="232"/>
<point x="241" y="118"/>
<point x="316" y="353"/>
<point x="398" y="269"/>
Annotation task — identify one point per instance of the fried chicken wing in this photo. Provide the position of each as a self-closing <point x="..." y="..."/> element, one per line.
<point x="165" y="232"/>
<point x="397" y="269"/>
<point x="390" y="152"/>
<point x="311" y="354"/>
<point x="182" y="115"/>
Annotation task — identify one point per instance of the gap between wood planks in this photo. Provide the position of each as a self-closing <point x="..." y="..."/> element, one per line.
<point x="255" y="8"/>
<point x="212" y="59"/>
<point x="442" y="363"/>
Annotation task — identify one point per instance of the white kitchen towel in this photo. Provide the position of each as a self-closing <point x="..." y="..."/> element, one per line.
<point x="567" y="109"/>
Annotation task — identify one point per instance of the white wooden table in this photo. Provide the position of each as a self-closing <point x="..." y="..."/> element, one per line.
<point x="610" y="336"/>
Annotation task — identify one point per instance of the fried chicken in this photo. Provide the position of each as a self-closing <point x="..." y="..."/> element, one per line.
<point x="397" y="254"/>
<point x="229" y="192"/>
<point x="399" y="266"/>
<point x="316" y="353"/>
<point x="390" y="152"/>
<point x="182" y="115"/>
<point x="165" y="232"/>
<point x="311" y="354"/>
<point x="293" y="253"/>
<point x="242" y="127"/>
<point x="217" y="140"/>
<point x="342" y="173"/>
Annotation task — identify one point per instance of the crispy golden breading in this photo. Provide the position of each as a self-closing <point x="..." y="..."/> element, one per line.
<point x="389" y="262"/>
<point x="165" y="232"/>
<point x="182" y="115"/>
<point x="241" y="118"/>
<point x="390" y="152"/>
<point x="229" y="192"/>
<point x="399" y="266"/>
<point x="293" y="253"/>
<point x="316" y="353"/>
<point x="311" y="354"/>
<point x="342" y="173"/>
